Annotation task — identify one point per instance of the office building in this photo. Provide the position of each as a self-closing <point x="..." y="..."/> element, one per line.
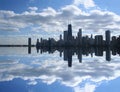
<point x="107" y="35"/>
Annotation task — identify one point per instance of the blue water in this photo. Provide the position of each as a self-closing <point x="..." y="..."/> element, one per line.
<point x="35" y="72"/>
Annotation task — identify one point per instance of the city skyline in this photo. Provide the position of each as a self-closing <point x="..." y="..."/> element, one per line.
<point x="68" y="40"/>
<point x="61" y="61"/>
<point x="80" y="45"/>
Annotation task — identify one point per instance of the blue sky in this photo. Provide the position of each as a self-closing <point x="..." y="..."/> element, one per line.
<point x="36" y="17"/>
<point x="22" y="5"/>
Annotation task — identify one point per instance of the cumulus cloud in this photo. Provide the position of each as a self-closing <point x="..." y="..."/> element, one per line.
<point x="50" y="20"/>
<point x="86" y="88"/>
<point x="85" y="3"/>
<point x="48" y="12"/>
<point x="33" y="8"/>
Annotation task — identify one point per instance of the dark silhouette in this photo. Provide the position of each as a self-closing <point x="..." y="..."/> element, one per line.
<point x="80" y="45"/>
<point x="29" y="45"/>
<point x="68" y="52"/>
<point x="80" y="41"/>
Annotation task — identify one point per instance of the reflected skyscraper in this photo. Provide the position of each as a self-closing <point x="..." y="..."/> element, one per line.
<point x="108" y="54"/>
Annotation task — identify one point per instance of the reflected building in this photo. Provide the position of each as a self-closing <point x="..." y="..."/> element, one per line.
<point x="108" y="54"/>
<point x="86" y="51"/>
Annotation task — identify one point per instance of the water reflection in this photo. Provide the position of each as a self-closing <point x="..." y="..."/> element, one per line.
<point x="68" y="52"/>
<point x="39" y="69"/>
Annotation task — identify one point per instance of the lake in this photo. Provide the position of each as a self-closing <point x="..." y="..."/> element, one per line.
<point x="61" y="70"/>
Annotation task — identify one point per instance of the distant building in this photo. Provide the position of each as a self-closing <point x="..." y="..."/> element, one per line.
<point x="79" y="38"/>
<point x="107" y="35"/>
<point x="65" y="36"/>
<point x="114" y="40"/>
<point x="69" y="32"/>
<point x="99" y="40"/>
<point x="69" y="35"/>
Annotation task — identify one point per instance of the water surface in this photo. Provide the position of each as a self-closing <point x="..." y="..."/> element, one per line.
<point x="48" y="72"/>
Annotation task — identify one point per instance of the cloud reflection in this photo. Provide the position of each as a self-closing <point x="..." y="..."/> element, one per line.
<point x="51" y="70"/>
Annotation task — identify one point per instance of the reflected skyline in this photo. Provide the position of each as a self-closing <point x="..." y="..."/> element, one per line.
<point x="67" y="53"/>
<point x="49" y="69"/>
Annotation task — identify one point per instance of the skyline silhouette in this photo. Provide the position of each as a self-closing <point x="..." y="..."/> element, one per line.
<point x="79" y="45"/>
<point x="68" y="40"/>
<point x="68" y="52"/>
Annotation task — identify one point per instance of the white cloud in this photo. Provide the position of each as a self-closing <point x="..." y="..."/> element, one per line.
<point x="50" y="20"/>
<point x="32" y="83"/>
<point x="33" y="8"/>
<point x="48" y="12"/>
<point x="86" y="88"/>
<point x="95" y="20"/>
<point x="86" y="3"/>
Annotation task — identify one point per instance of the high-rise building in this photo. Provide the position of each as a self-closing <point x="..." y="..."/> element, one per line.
<point x="65" y="36"/>
<point x="29" y="41"/>
<point x="98" y="40"/>
<point x="29" y="45"/>
<point x="79" y="40"/>
<point x="114" y="40"/>
<point x="107" y="35"/>
<point x="70" y="30"/>
<point x="69" y="35"/>
<point x="60" y="37"/>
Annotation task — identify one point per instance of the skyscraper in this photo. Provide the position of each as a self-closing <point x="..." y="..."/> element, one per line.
<point x="79" y="40"/>
<point x="107" y="35"/>
<point x="29" y="45"/>
<point x="69" y="36"/>
<point x="65" y="36"/>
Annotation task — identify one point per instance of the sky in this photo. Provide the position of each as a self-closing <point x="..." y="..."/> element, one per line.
<point x="46" y="18"/>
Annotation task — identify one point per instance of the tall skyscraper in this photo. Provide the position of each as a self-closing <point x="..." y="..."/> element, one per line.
<point x="79" y="40"/>
<point x="69" y="36"/>
<point x="107" y="35"/>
